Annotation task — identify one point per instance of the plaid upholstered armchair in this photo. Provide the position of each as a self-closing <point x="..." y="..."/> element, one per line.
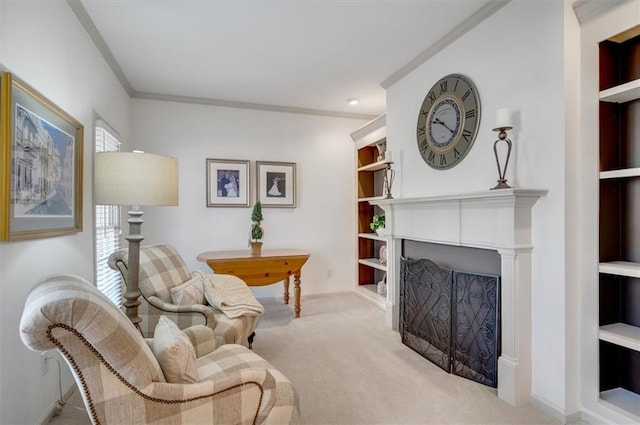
<point x="163" y="274"/>
<point x="178" y="377"/>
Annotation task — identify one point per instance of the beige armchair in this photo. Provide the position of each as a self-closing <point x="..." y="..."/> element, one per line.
<point x="125" y="379"/>
<point x="162" y="270"/>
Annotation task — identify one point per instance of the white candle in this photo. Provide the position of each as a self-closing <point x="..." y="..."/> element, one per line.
<point x="503" y="118"/>
<point x="387" y="156"/>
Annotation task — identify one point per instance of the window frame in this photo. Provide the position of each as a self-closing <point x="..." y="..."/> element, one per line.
<point x="107" y="223"/>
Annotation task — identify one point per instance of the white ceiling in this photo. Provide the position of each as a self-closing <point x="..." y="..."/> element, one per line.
<point x="297" y="54"/>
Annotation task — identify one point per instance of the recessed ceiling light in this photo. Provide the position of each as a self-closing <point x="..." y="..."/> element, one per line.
<point x="353" y="101"/>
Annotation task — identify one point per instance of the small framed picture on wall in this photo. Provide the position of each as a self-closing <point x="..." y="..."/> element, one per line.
<point x="227" y="183"/>
<point x="276" y="184"/>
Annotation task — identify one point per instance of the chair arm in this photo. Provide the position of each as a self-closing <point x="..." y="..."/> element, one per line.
<point x="202" y="338"/>
<point x="257" y="386"/>
<point x="204" y="313"/>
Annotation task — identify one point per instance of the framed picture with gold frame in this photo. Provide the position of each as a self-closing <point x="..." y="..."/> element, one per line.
<point x="41" y="149"/>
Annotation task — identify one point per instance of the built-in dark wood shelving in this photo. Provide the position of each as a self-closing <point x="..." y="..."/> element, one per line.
<point x="619" y="220"/>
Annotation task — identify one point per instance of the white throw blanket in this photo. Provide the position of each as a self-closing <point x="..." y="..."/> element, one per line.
<point x="229" y="294"/>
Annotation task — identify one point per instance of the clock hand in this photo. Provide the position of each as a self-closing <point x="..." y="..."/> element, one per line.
<point x="437" y="121"/>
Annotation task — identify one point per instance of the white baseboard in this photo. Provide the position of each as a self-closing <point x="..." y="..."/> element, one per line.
<point x="574" y="417"/>
<point x="593" y="418"/>
<point x="582" y="415"/>
<point x="603" y="414"/>
<point x="554" y="411"/>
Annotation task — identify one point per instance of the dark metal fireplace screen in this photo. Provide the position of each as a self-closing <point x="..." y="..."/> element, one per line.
<point x="451" y="318"/>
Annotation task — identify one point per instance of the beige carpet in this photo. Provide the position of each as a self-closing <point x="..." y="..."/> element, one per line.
<point x="349" y="368"/>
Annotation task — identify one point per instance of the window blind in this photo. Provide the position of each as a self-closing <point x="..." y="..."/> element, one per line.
<point x="107" y="225"/>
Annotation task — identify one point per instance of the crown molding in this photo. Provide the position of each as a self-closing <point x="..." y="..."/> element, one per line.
<point x="369" y="127"/>
<point x="90" y="27"/>
<point x="247" y="105"/>
<point x="589" y="9"/>
<point x="468" y="24"/>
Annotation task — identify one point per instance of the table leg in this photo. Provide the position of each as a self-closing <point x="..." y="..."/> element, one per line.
<point x="296" y="289"/>
<point x="286" y="290"/>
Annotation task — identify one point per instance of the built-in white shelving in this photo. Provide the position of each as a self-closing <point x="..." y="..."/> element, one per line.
<point x="621" y="268"/>
<point x="620" y="174"/>
<point x="372" y="288"/>
<point x="625" y="401"/>
<point x="373" y="262"/>
<point x="621" y="334"/>
<point x="373" y="236"/>
<point x="372" y="160"/>
<point x="622" y="93"/>
<point x="374" y="198"/>
<point x="370" y="293"/>
<point x="375" y="166"/>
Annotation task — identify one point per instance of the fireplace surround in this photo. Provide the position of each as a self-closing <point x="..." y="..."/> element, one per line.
<point x="499" y="220"/>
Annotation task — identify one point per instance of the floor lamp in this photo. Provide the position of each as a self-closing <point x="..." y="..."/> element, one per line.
<point x="134" y="179"/>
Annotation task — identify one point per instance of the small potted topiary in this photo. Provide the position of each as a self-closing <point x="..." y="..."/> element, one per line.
<point x="256" y="230"/>
<point x="377" y="224"/>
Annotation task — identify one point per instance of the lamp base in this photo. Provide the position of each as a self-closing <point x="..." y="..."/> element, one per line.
<point x="502" y="184"/>
<point x="132" y="293"/>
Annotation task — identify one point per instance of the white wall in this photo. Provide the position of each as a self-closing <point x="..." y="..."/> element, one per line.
<point x="324" y="155"/>
<point x="515" y="58"/>
<point x="43" y="44"/>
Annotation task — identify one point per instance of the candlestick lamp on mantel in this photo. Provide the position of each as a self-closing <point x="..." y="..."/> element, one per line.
<point x="503" y="124"/>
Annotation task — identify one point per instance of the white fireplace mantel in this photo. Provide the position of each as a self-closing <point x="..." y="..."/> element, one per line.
<point x="498" y="220"/>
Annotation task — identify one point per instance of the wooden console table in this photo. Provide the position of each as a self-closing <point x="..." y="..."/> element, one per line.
<point x="268" y="267"/>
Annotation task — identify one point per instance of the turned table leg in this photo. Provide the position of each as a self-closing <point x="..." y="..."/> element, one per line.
<point x="286" y="290"/>
<point x="296" y="292"/>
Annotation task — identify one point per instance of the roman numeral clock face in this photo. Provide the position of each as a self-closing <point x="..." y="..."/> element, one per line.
<point x="448" y="121"/>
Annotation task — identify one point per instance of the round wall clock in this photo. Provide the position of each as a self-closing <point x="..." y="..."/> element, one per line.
<point x="448" y="121"/>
